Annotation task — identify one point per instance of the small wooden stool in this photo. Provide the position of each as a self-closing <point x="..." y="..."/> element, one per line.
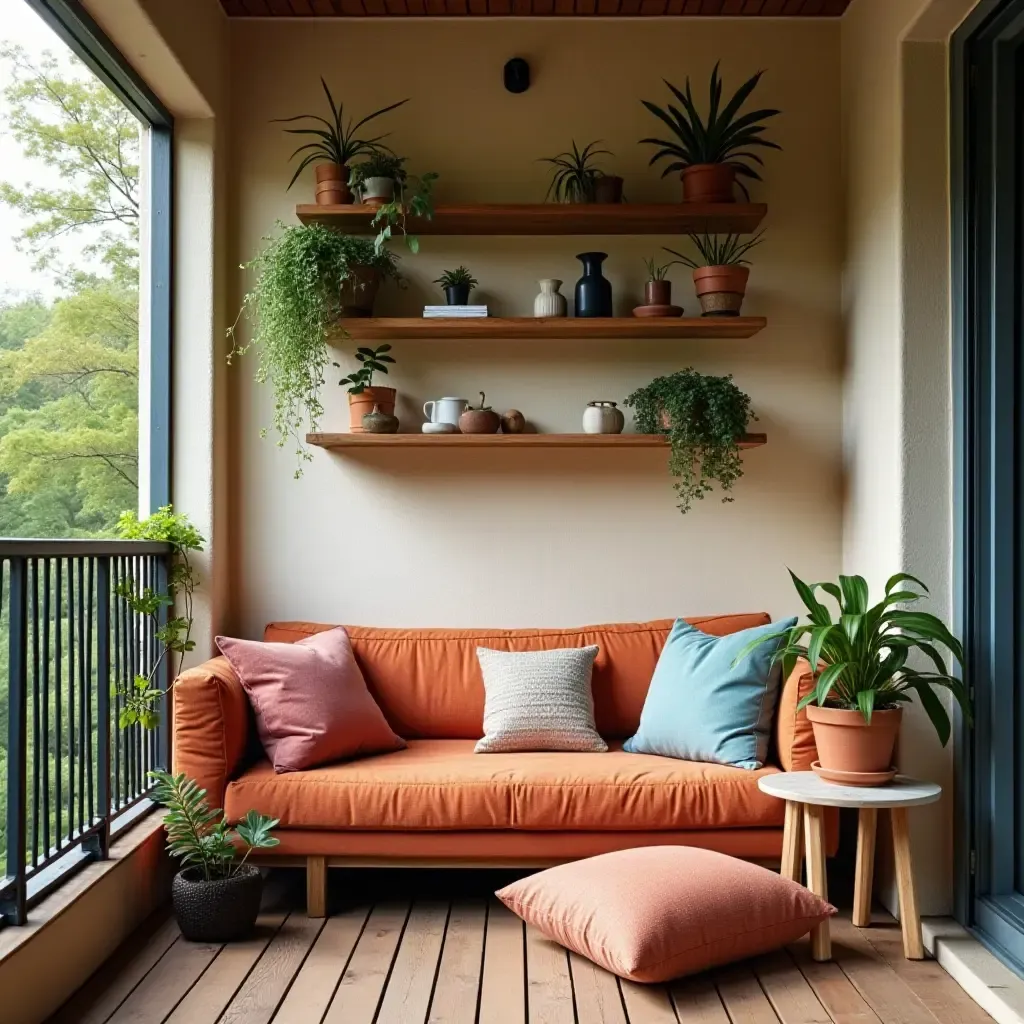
<point x="805" y="795"/>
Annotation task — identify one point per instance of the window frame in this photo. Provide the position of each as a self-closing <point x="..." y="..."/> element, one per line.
<point x="73" y="24"/>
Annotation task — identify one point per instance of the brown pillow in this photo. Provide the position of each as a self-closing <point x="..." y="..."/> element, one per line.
<point x="311" y="701"/>
<point x="658" y="912"/>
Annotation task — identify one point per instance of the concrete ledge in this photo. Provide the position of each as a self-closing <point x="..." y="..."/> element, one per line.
<point x="73" y="931"/>
<point x="982" y="975"/>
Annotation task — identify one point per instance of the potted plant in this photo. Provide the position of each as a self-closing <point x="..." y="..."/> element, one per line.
<point x="413" y="197"/>
<point x="457" y="285"/>
<point x="307" y="279"/>
<point x="216" y="895"/>
<point x="575" y="175"/>
<point x="721" y="272"/>
<point x="377" y="177"/>
<point x="363" y="397"/>
<point x="862" y="679"/>
<point x="711" y="154"/>
<point x="658" y="288"/>
<point x="705" y="417"/>
<point x="336" y="145"/>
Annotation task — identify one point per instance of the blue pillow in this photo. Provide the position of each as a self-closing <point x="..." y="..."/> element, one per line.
<point x="702" y="707"/>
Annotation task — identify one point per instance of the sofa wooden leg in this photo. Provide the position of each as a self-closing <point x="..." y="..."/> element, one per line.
<point x="316" y="886"/>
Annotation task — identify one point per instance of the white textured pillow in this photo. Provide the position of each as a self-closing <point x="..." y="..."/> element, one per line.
<point x="538" y="700"/>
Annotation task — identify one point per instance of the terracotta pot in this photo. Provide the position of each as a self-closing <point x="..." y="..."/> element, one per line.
<point x="332" y="185"/>
<point x="658" y="293"/>
<point x="708" y="183"/>
<point x="362" y="405"/>
<point x="721" y="289"/>
<point x="846" y="743"/>
<point x="479" y="421"/>
<point x="359" y="292"/>
<point x="607" y="189"/>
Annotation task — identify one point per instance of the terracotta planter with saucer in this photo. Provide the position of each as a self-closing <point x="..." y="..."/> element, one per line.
<point x="332" y="185"/>
<point x="658" y="300"/>
<point x="852" y="751"/>
<point x="381" y="400"/>
<point x="708" y="183"/>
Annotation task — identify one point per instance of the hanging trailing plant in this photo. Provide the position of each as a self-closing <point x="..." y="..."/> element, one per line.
<point x="294" y="307"/>
<point x="704" y="417"/>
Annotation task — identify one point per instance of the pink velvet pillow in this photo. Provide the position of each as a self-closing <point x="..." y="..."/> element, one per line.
<point x="311" y="701"/>
<point x="658" y="912"/>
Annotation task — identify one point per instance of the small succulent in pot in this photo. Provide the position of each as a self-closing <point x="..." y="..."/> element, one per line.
<point x="481" y="420"/>
<point x="862" y="679"/>
<point x="363" y="398"/>
<point x="457" y="285"/>
<point x="658" y="288"/>
<point x="715" y="154"/>
<point x="720" y="271"/>
<point x="575" y="175"/>
<point x="216" y="894"/>
<point x="336" y="145"/>
<point x="377" y="177"/>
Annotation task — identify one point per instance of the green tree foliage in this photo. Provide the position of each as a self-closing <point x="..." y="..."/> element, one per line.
<point x="72" y="123"/>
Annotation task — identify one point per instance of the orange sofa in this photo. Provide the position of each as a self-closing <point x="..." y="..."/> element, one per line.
<point x="437" y="802"/>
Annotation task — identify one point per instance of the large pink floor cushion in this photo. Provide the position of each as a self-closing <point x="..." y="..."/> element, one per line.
<point x="310" y="700"/>
<point x="660" y="912"/>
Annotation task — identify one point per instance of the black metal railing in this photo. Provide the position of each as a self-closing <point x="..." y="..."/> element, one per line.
<point x="70" y="777"/>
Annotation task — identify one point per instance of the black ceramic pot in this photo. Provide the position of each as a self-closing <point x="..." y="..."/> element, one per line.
<point x="593" y="289"/>
<point x="457" y="294"/>
<point x="218" y="911"/>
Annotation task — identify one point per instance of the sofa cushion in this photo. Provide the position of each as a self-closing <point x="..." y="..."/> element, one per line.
<point x="428" y="682"/>
<point x="442" y="784"/>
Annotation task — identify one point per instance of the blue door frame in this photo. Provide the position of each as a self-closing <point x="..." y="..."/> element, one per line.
<point x="988" y="276"/>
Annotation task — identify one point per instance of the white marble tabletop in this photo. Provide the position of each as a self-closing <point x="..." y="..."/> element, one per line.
<point x="808" y="788"/>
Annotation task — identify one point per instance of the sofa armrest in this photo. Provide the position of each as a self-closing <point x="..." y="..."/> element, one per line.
<point x="794" y="737"/>
<point x="210" y="726"/>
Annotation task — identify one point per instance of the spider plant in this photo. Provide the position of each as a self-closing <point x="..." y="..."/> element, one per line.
<point x="726" y="137"/>
<point x="862" y="654"/>
<point x="336" y="142"/>
<point x="717" y="251"/>
<point x="574" y="177"/>
<point x="656" y="271"/>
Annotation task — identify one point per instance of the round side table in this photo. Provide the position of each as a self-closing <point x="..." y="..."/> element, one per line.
<point x="805" y="795"/>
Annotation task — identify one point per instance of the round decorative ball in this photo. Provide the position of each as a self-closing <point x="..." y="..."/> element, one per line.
<point x="513" y="422"/>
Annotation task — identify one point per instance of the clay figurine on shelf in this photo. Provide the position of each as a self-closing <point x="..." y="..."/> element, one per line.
<point x="482" y="420"/>
<point x="378" y="422"/>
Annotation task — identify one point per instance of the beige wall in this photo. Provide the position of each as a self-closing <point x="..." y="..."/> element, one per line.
<point x="898" y="393"/>
<point x="534" y="538"/>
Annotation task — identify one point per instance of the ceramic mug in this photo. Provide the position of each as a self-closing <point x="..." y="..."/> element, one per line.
<point x="445" y="410"/>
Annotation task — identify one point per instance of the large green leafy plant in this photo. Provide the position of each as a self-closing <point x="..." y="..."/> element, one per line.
<point x="294" y="306"/>
<point x="198" y="835"/>
<point x="726" y="137"/>
<point x="862" y="653"/>
<point x="140" y="699"/>
<point x="704" y="417"/>
<point x="334" y="141"/>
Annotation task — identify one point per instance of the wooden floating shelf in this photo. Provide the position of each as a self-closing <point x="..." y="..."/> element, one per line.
<point x="527" y="327"/>
<point x="556" y="218"/>
<point x="366" y="441"/>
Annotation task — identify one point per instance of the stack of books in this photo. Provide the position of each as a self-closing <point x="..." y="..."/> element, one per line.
<point x="453" y="311"/>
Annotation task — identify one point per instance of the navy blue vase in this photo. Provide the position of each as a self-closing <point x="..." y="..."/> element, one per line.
<point x="593" y="289"/>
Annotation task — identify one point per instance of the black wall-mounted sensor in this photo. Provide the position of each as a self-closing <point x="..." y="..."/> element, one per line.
<point x="517" y="75"/>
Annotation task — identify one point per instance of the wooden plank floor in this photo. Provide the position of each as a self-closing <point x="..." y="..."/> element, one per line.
<point x="419" y="957"/>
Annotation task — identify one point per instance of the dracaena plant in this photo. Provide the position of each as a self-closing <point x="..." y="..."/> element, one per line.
<point x="335" y="142"/>
<point x="726" y="137"/>
<point x="201" y="836"/>
<point x="717" y="250"/>
<point x="862" y="653"/>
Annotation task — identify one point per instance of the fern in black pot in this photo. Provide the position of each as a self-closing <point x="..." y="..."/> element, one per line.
<point x="216" y="894"/>
<point x="705" y="418"/>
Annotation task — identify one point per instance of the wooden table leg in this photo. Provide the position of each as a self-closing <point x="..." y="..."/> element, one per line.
<point x="910" y="917"/>
<point x="814" y="843"/>
<point x="316" y="887"/>
<point x="793" y="842"/>
<point x="867" y="825"/>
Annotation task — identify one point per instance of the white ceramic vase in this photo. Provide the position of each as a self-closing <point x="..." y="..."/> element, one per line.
<point x="550" y="301"/>
<point x="603" y="418"/>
